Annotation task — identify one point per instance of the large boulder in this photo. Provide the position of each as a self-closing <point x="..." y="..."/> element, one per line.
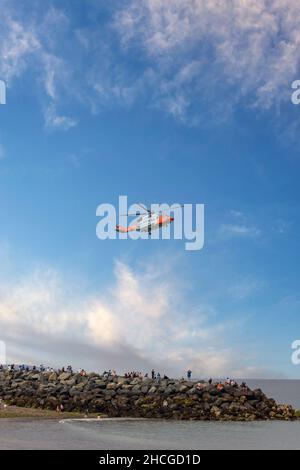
<point x="112" y="386"/>
<point x="35" y="377"/>
<point x="52" y="377"/>
<point x="65" y="376"/>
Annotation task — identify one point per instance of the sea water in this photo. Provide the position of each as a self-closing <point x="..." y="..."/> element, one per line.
<point x="159" y="434"/>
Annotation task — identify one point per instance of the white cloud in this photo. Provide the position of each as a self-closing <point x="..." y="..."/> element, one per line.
<point x="238" y="227"/>
<point x="56" y="121"/>
<point x="199" y="48"/>
<point x="140" y="321"/>
<point x="26" y="46"/>
<point x="16" y="46"/>
<point x="239" y="230"/>
<point x="236" y="214"/>
<point x="195" y="59"/>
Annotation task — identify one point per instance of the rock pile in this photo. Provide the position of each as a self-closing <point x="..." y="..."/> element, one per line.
<point x="139" y="397"/>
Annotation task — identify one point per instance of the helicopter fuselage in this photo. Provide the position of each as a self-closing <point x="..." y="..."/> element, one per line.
<point x="151" y="222"/>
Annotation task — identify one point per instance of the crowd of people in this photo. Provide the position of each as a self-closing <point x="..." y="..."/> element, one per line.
<point x="222" y="385"/>
<point x="154" y="375"/>
<point x="128" y="375"/>
<point x="40" y="368"/>
<point x="107" y="373"/>
<point x="133" y="375"/>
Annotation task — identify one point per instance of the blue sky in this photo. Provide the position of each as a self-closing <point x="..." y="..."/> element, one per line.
<point x="162" y="102"/>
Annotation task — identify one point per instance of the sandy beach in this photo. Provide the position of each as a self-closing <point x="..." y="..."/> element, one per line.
<point x="17" y="412"/>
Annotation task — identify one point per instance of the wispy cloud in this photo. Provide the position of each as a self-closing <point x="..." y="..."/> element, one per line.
<point x="238" y="226"/>
<point x="197" y="60"/>
<point x="282" y="227"/>
<point x="245" y="288"/>
<point x="199" y="49"/>
<point x="29" y="45"/>
<point x="16" y="47"/>
<point x="239" y="230"/>
<point x="56" y="121"/>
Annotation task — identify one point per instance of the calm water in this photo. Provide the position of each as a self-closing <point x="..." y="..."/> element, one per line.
<point x="283" y="391"/>
<point x="140" y="434"/>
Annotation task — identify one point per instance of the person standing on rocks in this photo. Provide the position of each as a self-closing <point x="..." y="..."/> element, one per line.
<point x="189" y="374"/>
<point x="153" y="374"/>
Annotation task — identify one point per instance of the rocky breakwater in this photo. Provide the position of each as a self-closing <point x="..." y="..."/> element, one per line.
<point x="139" y="397"/>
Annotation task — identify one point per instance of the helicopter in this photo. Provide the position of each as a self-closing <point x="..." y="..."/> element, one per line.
<point x="148" y="221"/>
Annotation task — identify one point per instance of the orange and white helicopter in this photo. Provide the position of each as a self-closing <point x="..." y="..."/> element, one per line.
<point x="148" y="221"/>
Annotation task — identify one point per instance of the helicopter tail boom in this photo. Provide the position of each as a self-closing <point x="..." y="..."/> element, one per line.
<point x="121" y="229"/>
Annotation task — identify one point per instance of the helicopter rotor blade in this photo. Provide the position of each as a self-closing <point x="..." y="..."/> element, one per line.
<point x="137" y="213"/>
<point x="173" y="208"/>
<point x="130" y="215"/>
<point x="144" y="207"/>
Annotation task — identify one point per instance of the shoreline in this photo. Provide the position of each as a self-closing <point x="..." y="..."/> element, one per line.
<point x="12" y="413"/>
<point x="32" y="415"/>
